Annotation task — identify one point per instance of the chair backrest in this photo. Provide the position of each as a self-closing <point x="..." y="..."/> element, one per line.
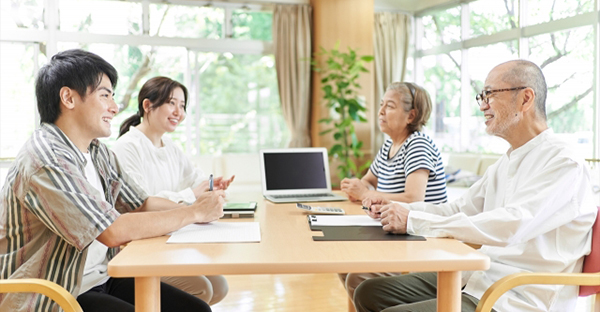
<point x="591" y="263"/>
<point x="50" y="289"/>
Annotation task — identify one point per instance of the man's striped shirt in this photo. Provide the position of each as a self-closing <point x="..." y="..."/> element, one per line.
<point x="50" y="214"/>
<point x="417" y="152"/>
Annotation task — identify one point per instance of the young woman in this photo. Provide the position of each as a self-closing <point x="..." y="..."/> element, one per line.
<point x="162" y="169"/>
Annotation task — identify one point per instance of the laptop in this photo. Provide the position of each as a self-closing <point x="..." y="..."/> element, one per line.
<point x="296" y="175"/>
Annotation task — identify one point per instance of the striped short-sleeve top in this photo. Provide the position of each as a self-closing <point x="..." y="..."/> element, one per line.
<point x="417" y="152"/>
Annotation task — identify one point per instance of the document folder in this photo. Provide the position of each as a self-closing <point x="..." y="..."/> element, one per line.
<point x="357" y="233"/>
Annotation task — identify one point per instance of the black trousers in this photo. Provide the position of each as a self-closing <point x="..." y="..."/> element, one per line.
<point x="117" y="295"/>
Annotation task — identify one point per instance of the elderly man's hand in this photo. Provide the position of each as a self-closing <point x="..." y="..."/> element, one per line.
<point x="394" y="218"/>
<point x="374" y="204"/>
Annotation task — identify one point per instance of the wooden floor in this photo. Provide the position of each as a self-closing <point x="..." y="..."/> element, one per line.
<point x="299" y="292"/>
<point x="284" y="293"/>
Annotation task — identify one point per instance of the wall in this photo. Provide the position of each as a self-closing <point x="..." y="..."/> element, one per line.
<point x="349" y="22"/>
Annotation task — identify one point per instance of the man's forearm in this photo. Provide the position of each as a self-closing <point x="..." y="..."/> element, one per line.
<point x="154" y="203"/>
<point x="132" y="226"/>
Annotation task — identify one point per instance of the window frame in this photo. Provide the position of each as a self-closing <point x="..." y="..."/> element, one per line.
<point x="522" y="34"/>
<point x="52" y="35"/>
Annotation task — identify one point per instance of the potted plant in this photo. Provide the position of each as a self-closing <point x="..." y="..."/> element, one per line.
<point x="339" y="75"/>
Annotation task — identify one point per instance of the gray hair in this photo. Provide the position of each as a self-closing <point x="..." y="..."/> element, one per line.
<point x="414" y="97"/>
<point x="524" y="73"/>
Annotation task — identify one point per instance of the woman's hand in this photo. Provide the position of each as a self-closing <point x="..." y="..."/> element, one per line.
<point x="354" y="188"/>
<point x="222" y="184"/>
<point x="218" y="184"/>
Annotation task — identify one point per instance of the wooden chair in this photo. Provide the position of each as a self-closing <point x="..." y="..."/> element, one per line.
<point x="50" y="289"/>
<point x="588" y="281"/>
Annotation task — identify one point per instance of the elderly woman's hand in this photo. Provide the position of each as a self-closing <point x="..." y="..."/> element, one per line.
<point x="354" y="188"/>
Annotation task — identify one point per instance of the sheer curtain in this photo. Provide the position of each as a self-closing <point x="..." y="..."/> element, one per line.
<point x="292" y="40"/>
<point x="391" y="36"/>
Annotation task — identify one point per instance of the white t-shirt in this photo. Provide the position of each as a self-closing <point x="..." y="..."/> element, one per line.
<point x="161" y="171"/>
<point x="95" y="269"/>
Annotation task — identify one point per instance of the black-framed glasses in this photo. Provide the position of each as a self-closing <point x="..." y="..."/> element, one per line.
<point x="484" y="95"/>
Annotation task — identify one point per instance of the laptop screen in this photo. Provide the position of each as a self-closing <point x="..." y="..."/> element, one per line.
<point x="294" y="171"/>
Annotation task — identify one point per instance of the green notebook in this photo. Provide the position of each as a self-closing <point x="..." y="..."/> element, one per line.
<point x="242" y="206"/>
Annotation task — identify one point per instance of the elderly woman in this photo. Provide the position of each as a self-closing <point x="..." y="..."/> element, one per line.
<point x="408" y="168"/>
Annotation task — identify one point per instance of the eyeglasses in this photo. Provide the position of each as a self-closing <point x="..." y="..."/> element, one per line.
<point x="484" y="95"/>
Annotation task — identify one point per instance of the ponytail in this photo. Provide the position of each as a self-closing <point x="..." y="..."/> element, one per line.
<point x="132" y="121"/>
<point x="158" y="91"/>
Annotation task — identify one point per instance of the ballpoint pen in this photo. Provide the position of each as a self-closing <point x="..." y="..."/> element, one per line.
<point x="210" y="182"/>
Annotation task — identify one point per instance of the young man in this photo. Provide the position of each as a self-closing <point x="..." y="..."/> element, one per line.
<point x="532" y="211"/>
<point x="66" y="205"/>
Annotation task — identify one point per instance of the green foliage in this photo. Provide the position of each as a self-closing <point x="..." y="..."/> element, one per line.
<point x="340" y="73"/>
<point x="252" y="25"/>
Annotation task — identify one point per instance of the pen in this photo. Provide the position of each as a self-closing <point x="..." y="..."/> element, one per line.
<point x="210" y="182"/>
<point x="365" y="208"/>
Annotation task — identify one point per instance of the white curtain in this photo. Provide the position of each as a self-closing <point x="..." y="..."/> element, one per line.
<point x="292" y="40"/>
<point x="391" y="36"/>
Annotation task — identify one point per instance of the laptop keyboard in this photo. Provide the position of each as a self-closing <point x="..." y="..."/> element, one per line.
<point x="303" y="195"/>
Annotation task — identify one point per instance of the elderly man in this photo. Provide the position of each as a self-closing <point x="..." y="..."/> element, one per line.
<point x="531" y="211"/>
<point x="67" y="205"/>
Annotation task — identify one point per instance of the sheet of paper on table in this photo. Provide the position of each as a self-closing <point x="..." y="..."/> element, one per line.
<point x="217" y="232"/>
<point x="347" y="220"/>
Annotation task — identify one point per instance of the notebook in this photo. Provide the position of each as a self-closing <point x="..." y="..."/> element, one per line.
<point x="296" y="175"/>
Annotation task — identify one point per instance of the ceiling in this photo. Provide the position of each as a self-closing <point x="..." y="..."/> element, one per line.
<point x="410" y="5"/>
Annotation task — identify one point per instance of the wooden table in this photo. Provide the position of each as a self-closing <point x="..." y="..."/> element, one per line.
<point x="287" y="247"/>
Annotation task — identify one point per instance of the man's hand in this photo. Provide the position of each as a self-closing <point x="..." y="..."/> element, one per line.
<point x="394" y="218"/>
<point x="209" y="206"/>
<point x="374" y="204"/>
<point x="354" y="188"/>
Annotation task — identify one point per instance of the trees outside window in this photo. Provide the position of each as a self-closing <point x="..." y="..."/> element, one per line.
<point x="222" y="53"/>
<point x="559" y="36"/>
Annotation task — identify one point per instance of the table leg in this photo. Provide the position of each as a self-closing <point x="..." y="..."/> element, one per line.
<point x="147" y="294"/>
<point x="448" y="291"/>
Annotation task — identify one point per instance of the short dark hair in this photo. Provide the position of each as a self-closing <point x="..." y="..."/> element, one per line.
<point x="76" y="69"/>
<point x="158" y="91"/>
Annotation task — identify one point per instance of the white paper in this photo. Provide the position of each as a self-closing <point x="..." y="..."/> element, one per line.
<point x="347" y="220"/>
<point x="217" y="232"/>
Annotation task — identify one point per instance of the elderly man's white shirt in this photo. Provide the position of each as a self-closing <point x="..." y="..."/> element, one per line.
<point x="532" y="211"/>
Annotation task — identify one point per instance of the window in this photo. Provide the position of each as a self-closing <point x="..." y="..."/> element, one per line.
<point x="567" y="59"/>
<point x="252" y="25"/>
<point x="234" y="103"/>
<point x="453" y="69"/>
<point x="540" y="11"/>
<point x="18" y="110"/>
<point x="186" y="21"/>
<point x="100" y="17"/>
<point x="21" y="15"/>
<point x="491" y="16"/>
<point x="441" y="28"/>
<point x="442" y="81"/>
